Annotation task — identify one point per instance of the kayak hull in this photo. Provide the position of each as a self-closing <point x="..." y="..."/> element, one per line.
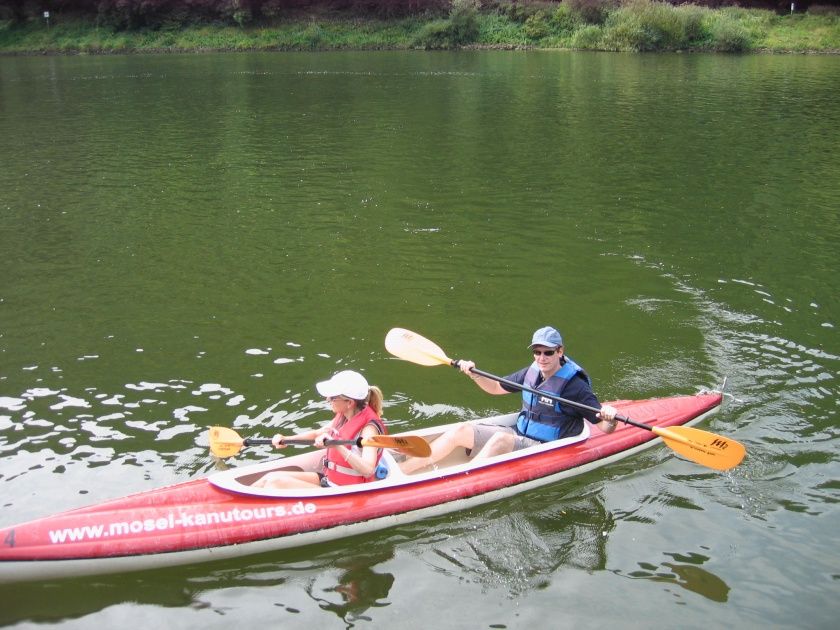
<point x="221" y="517"/>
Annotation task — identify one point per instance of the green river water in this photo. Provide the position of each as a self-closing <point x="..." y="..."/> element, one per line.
<point x="190" y="240"/>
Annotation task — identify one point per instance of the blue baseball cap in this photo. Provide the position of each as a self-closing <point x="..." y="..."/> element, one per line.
<point x="548" y="337"/>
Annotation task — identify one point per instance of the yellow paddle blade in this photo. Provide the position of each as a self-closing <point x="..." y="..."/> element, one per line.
<point x="708" y="449"/>
<point x="412" y="445"/>
<point x="410" y="346"/>
<point x="224" y="442"/>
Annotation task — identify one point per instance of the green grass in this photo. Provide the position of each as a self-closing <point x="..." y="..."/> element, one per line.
<point x="633" y="26"/>
<point x="803" y="33"/>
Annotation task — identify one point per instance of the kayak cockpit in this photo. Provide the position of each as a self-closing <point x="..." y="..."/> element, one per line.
<point x="240" y="480"/>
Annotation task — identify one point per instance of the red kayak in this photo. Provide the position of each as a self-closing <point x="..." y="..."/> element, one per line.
<point x="222" y="516"/>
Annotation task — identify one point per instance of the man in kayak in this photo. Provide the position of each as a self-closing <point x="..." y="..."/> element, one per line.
<point x="541" y="418"/>
<point x="357" y="407"/>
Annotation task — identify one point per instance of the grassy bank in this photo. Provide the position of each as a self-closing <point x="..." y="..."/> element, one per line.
<point x="638" y="25"/>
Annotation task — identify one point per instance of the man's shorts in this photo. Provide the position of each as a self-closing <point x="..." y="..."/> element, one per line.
<point x="483" y="432"/>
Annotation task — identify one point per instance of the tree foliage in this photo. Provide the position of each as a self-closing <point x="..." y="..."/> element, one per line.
<point x="133" y="14"/>
<point x="138" y="14"/>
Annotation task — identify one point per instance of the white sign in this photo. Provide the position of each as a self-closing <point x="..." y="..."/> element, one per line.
<point x="47" y="15"/>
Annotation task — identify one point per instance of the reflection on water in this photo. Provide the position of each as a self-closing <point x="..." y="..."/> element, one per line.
<point x="516" y="548"/>
<point x="688" y="575"/>
<point x="351" y="587"/>
<point x="75" y="599"/>
<point x="345" y="583"/>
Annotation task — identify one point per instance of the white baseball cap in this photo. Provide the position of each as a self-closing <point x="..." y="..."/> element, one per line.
<point x="347" y="383"/>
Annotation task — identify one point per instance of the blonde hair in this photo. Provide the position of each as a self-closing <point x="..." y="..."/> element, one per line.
<point x="374" y="399"/>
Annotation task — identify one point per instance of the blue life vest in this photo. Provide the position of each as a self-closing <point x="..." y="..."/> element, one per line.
<point x="543" y="418"/>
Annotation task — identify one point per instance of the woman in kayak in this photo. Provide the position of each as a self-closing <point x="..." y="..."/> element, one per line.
<point x="357" y="407"/>
<point x="541" y="419"/>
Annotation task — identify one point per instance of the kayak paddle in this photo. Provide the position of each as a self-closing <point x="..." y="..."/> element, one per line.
<point x="226" y="442"/>
<point x="703" y="447"/>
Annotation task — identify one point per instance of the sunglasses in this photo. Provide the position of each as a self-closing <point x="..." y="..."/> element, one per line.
<point x="545" y="353"/>
<point x="332" y="398"/>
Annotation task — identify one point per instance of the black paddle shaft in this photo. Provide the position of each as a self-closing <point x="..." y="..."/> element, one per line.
<point x="258" y="441"/>
<point x="539" y="392"/>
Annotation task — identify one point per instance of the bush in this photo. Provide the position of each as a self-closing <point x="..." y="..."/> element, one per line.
<point x="536" y="26"/>
<point x="565" y="21"/>
<point x="434" y="35"/>
<point x="497" y="29"/>
<point x="728" y="36"/>
<point x="464" y="20"/>
<point x="313" y="36"/>
<point x="519" y="12"/>
<point x="592" y="11"/>
<point x="459" y="29"/>
<point x="629" y="34"/>
<point x="589" y="37"/>
<point x="643" y="25"/>
<point x="693" y="17"/>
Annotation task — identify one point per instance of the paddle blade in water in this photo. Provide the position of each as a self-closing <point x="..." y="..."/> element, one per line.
<point x="224" y="442"/>
<point x="412" y="347"/>
<point x="708" y="449"/>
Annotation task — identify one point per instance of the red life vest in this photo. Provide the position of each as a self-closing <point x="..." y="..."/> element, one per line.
<point x="337" y="469"/>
